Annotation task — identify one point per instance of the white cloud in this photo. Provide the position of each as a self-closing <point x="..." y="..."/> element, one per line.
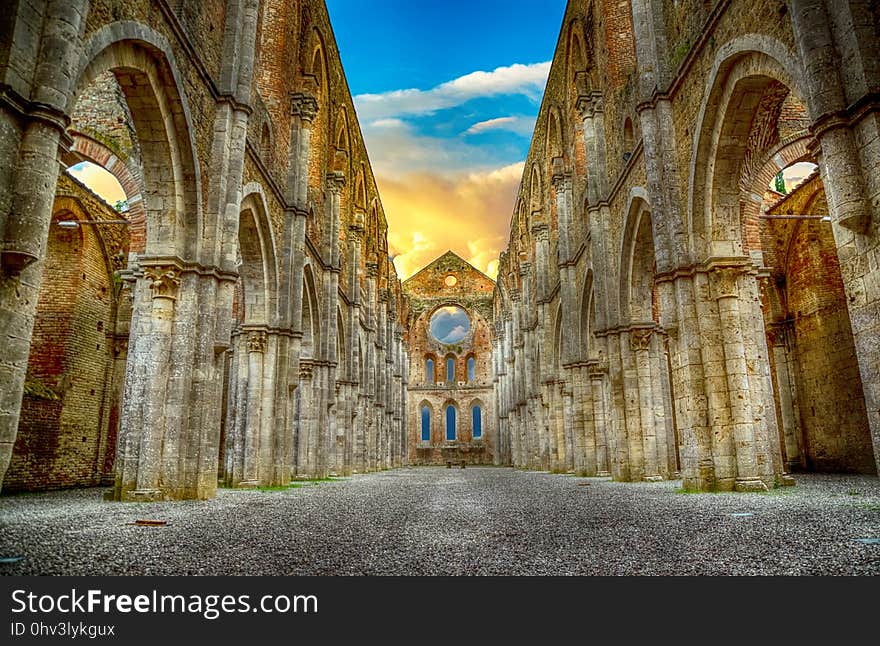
<point x="395" y="148"/>
<point x="387" y="123"/>
<point x="528" y="80"/>
<point x="520" y="125"/>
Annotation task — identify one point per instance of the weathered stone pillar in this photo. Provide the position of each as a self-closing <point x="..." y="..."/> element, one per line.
<point x="601" y="419"/>
<point x="256" y="349"/>
<point x="782" y="348"/>
<point x="142" y="431"/>
<point x="589" y="104"/>
<point x="33" y="120"/>
<point x="741" y="419"/>
<point x="651" y="405"/>
<point x="307" y="441"/>
<point x="846" y="126"/>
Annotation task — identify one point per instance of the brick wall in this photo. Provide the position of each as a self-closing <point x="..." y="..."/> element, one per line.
<point x="66" y="415"/>
<point x="427" y="290"/>
<point x="834" y="422"/>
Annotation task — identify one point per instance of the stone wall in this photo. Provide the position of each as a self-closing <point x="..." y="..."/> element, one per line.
<point x="449" y="281"/>
<point x="638" y="224"/>
<point x="264" y="321"/>
<point x="66" y="428"/>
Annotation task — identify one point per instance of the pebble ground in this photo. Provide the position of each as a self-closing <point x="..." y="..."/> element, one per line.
<point x="438" y="521"/>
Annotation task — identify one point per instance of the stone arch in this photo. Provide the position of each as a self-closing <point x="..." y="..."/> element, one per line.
<point x="143" y="62"/>
<point x="451" y="370"/>
<point x="316" y="63"/>
<point x="742" y="70"/>
<point x="311" y="323"/>
<point x="554" y="146"/>
<point x="587" y="312"/>
<point x="450" y="420"/>
<point x="258" y="270"/>
<point x="477" y="409"/>
<point x="637" y="264"/>
<point x="426" y="421"/>
<point x="557" y="338"/>
<point x="470" y="363"/>
<point x="372" y="233"/>
<point x="781" y="156"/>
<point x="340" y="337"/>
<point x="266" y="142"/>
<point x="637" y="207"/>
<point x="576" y="60"/>
<point x="342" y="143"/>
<point x="360" y="193"/>
<point x="536" y="194"/>
<point x="430" y="367"/>
<point x="321" y="156"/>
<point x="86" y="148"/>
<point x="629" y="138"/>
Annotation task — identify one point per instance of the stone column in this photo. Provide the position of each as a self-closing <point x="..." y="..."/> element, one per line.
<point x="308" y="443"/>
<point x="143" y="419"/>
<point x="782" y="349"/>
<point x="745" y="424"/>
<point x="650" y="411"/>
<point x="33" y="120"/>
<point x="589" y="105"/>
<point x="601" y="419"/>
<point x="843" y="107"/>
<point x="256" y="349"/>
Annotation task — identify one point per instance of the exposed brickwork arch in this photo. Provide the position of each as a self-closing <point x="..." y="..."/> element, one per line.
<point x="752" y="189"/>
<point x="88" y="149"/>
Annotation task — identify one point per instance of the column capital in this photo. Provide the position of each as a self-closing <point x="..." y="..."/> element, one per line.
<point x="336" y="181"/>
<point x="723" y="281"/>
<point x="256" y="341"/>
<point x="356" y="227"/>
<point x="589" y="104"/>
<point x="304" y="106"/>
<point x="640" y="339"/>
<point x="541" y="231"/>
<point x="561" y="178"/>
<point x="164" y="280"/>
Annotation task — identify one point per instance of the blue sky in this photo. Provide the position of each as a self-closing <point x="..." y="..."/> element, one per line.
<point x="447" y="93"/>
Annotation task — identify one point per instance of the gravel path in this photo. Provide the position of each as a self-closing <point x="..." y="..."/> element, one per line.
<point x="450" y="521"/>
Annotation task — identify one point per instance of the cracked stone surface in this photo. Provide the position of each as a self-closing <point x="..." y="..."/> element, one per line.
<point x="437" y="521"/>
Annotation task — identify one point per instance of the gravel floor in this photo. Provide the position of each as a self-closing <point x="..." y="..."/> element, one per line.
<point x="450" y="521"/>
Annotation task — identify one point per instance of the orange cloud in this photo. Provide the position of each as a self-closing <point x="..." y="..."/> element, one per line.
<point x="429" y="213"/>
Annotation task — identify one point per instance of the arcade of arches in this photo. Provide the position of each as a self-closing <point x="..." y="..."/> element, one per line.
<point x="669" y="304"/>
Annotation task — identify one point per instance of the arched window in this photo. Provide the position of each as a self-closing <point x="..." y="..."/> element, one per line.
<point x="265" y="143"/>
<point x="426" y="423"/>
<point x="450" y="423"/>
<point x="450" y="369"/>
<point x="628" y="139"/>
<point x="477" y="421"/>
<point x="471" y="369"/>
<point x="429" y="371"/>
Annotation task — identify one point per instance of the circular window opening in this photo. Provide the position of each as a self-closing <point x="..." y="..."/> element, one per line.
<point x="449" y="324"/>
<point x="451" y="281"/>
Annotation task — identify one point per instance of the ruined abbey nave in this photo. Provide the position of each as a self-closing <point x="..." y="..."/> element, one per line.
<point x="664" y="309"/>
